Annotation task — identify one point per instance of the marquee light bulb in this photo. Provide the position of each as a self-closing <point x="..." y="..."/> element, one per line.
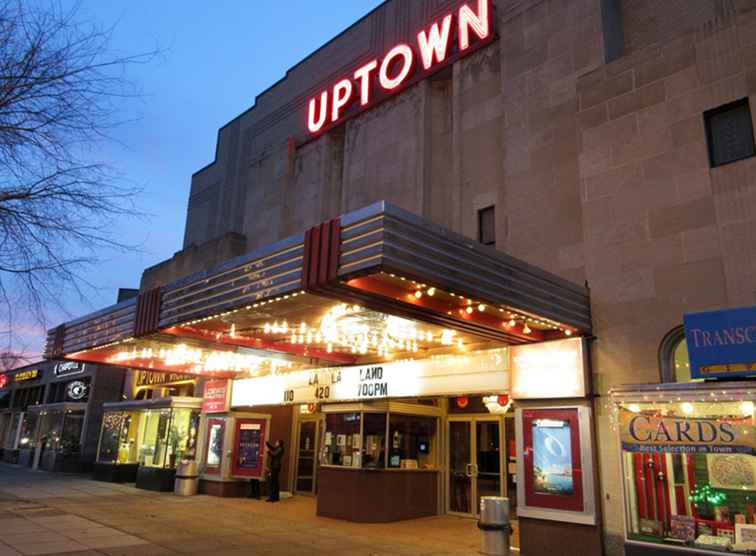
<point x="568" y="332"/>
<point x="481" y="307"/>
<point x="512" y="323"/>
<point x="469" y="309"/>
<point x="418" y="294"/>
<point x="431" y="291"/>
<point x="687" y="408"/>
<point x="526" y="329"/>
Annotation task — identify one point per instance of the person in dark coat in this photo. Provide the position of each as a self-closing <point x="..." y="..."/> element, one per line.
<point x="275" y="455"/>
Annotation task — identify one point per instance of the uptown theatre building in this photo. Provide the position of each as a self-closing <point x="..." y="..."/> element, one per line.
<point x="449" y="256"/>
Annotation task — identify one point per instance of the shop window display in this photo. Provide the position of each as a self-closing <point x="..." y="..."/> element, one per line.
<point x="689" y="473"/>
<point x="61" y="431"/>
<point x="153" y="438"/>
<point x="28" y="428"/>
<point x="10" y="434"/>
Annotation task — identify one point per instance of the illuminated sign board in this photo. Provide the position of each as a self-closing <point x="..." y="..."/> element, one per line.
<point x="640" y="432"/>
<point x="481" y="372"/>
<point x="3" y="380"/>
<point x="215" y="396"/>
<point x="26" y="375"/>
<point x="66" y="368"/>
<point x="722" y="343"/>
<point x="155" y="378"/>
<point x="549" y="370"/>
<point x="440" y="44"/>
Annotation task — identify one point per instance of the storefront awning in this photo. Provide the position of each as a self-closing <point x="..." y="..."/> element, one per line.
<point x="375" y="284"/>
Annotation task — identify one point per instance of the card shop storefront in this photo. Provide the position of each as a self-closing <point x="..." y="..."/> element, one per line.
<point x="688" y="450"/>
<point x="387" y="353"/>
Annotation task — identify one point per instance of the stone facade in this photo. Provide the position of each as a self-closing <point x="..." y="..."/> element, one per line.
<point x="598" y="171"/>
<point x="663" y="232"/>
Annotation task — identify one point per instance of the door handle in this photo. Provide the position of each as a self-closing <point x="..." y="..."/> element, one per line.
<point x="468" y="469"/>
<point x="474" y="467"/>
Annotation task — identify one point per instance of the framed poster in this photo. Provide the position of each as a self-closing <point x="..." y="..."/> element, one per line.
<point x="214" y="455"/>
<point x="555" y="464"/>
<point x="249" y="448"/>
<point x="553" y="471"/>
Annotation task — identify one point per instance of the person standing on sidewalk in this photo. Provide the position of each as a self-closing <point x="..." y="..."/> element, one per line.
<point x="275" y="455"/>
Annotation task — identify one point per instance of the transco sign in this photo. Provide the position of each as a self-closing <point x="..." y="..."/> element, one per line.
<point x="441" y="43"/>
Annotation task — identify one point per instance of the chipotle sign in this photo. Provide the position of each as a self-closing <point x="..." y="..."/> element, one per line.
<point x="440" y="43"/>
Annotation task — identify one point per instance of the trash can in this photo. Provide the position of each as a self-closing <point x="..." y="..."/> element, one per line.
<point x="187" y="479"/>
<point x="494" y="525"/>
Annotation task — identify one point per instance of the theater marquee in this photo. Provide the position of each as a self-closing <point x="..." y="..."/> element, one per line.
<point x="481" y="372"/>
<point x="441" y="43"/>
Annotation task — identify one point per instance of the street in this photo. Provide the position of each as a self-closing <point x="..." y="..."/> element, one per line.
<point x="50" y="514"/>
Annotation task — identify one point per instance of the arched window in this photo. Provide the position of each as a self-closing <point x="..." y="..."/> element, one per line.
<point x="674" y="363"/>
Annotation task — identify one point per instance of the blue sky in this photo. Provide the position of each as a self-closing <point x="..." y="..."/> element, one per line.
<point x="216" y="57"/>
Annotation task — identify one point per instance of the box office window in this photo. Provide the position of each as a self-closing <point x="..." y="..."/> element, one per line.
<point x="729" y="132"/>
<point x="341" y="441"/>
<point x="412" y="441"/>
<point x="487" y="226"/>
<point x="378" y="440"/>
<point x="689" y="473"/>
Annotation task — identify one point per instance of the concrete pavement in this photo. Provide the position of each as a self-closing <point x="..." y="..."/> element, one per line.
<point x="51" y="514"/>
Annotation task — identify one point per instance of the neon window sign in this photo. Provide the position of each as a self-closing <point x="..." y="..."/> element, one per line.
<point x="440" y="44"/>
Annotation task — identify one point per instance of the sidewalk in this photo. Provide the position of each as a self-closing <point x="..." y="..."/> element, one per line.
<point x="50" y="514"/>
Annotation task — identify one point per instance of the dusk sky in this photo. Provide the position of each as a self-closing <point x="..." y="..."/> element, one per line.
<point x="216" y="57"/>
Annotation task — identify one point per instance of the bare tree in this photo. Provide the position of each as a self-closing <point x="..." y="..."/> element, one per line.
<point x="10" y="360"/>
<point x="60" y="89"/>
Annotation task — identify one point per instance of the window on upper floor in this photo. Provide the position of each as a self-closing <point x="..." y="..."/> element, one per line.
<point x="729" y="133"/>
<point x="487" y="226"/>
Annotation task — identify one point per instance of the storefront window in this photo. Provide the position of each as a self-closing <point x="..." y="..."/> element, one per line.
<point x="10" y="435"/>
<point x="110" y="436"/>
<point x="118" y="438"/>
<point x="70" y="439"/>
<point x="690" y="473"/>
<point x="61" y="430"/>
<point x="412" y="441"/>
<point x="28" y="428"/>
<point x="341" y="441"/>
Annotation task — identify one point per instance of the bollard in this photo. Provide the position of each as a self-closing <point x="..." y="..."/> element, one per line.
<point x="187" y="479"/>
<point x="494" y="525"/>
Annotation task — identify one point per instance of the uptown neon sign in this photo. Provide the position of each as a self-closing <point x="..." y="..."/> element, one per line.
<point x="435" y="47"/>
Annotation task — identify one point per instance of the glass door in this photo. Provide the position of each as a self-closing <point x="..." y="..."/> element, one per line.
<point x="306" y="456"/>
<point x="487" y="466"/>
<point x="475" y="463"/>
<point x="460" y="467"/>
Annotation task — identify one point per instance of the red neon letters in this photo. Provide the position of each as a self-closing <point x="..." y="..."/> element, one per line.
<point x="398" y="65"/>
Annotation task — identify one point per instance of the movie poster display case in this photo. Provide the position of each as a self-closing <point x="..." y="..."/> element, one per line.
<point x="556" y="464"/>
